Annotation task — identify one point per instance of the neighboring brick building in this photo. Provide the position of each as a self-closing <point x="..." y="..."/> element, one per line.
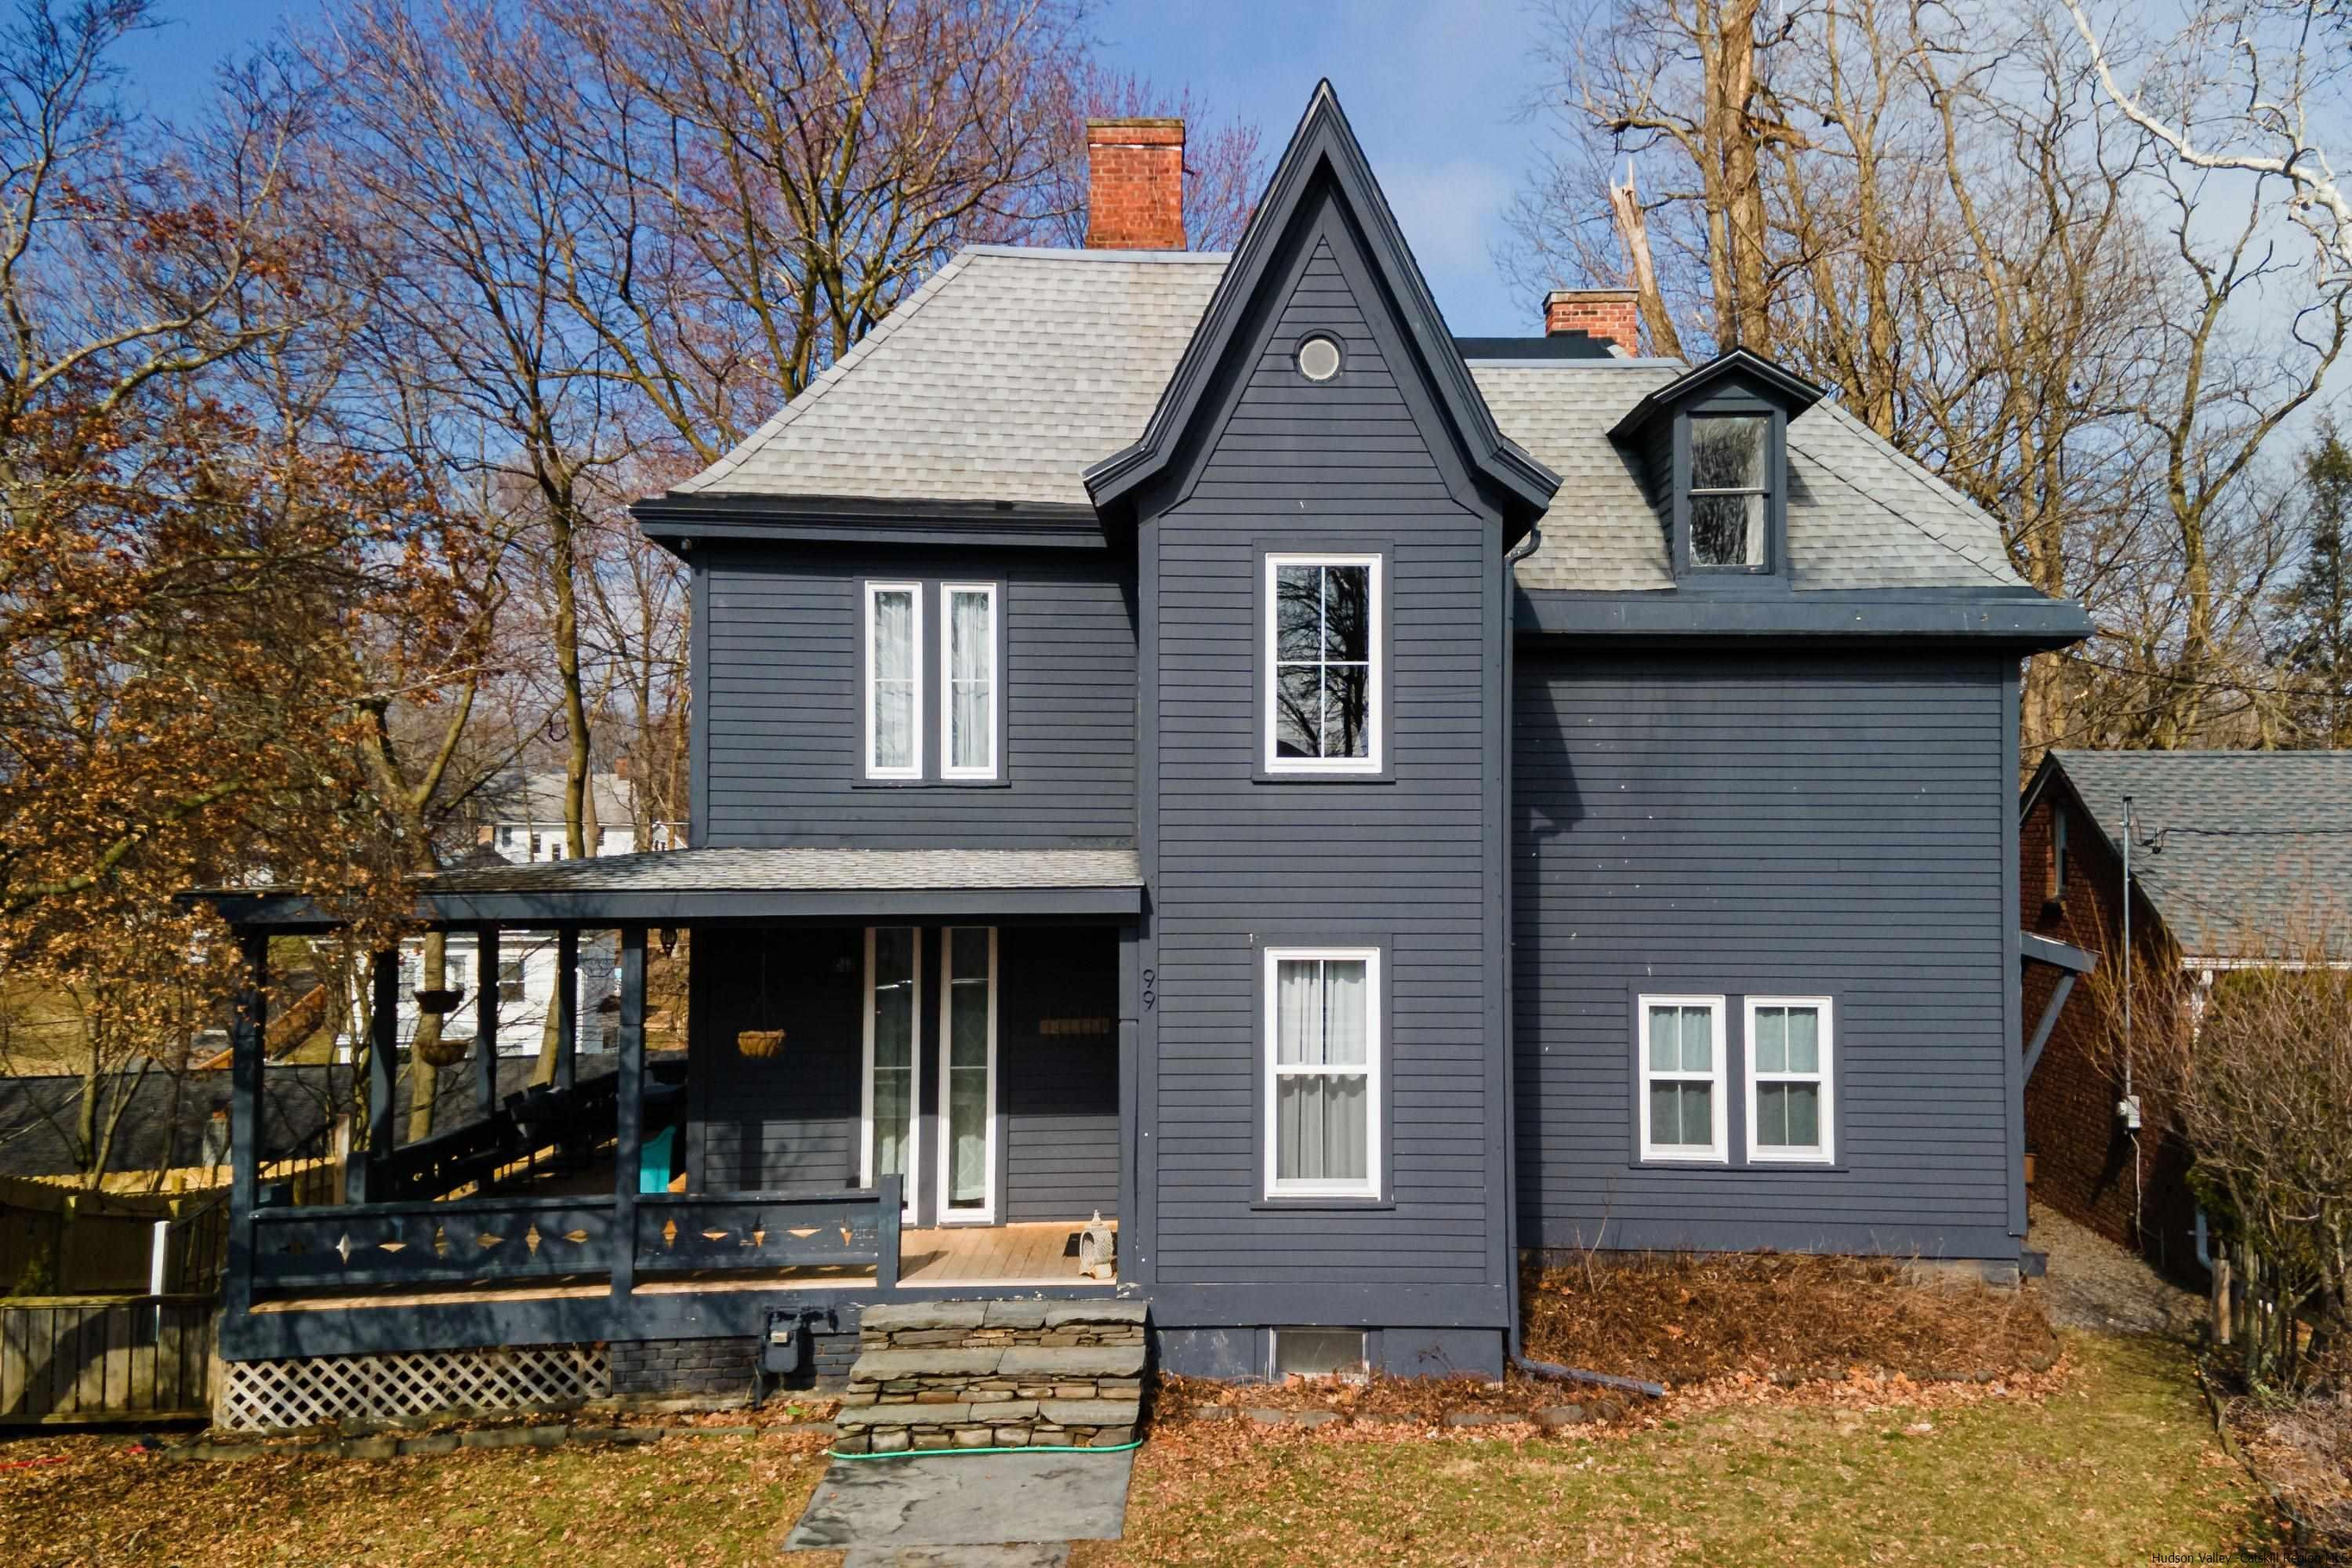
<point x="2226" y="845"/>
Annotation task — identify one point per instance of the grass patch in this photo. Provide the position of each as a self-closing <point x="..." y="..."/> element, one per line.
<point x="1684" y="1319"/>
<point x="2119" y="1466"/>
<point x="718" y="1501"/>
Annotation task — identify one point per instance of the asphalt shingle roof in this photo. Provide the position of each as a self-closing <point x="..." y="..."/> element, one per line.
<point x="2251" y="848"/>
<point x="1014" y="369"/>
<point x="809" y="870"/>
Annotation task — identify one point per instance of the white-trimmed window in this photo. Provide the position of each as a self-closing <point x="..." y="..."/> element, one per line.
<point x="894" y="681"/>
<point x="1323" y="642"/>
<point x="1322" y="1072"/>
<point x="1790" y="1105"/>
<point x="1681" y="1051"/>
<point x="968" y="680"/>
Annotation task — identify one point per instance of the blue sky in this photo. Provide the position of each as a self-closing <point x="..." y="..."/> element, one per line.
<point x="1429" y="88"/>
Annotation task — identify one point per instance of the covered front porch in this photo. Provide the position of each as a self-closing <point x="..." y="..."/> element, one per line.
<point x="903" y="1074"/>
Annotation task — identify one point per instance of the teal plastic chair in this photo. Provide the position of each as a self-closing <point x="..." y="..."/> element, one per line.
<point x="655" y="1166"/>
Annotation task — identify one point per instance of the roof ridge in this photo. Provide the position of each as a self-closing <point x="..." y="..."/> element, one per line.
<point x="1092" y="253"/>
<point x="2003" y="573"/>
<point x="888" y="326"/>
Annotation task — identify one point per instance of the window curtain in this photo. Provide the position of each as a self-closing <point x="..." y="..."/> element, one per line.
<point x="892" y="657"/>
<point x="893" y="1048"/>
<point x="1322" y="1119"/>
<point x="971" y="658"/>
<point x="968" y="1010"/>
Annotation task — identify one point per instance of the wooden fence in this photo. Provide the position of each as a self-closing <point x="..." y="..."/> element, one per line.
<point x="66" y="1359"/>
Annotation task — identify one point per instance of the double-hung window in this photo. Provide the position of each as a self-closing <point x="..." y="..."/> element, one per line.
<point x="1323" y="1072"/>
<point x="894" y="681"/>
<point x="1323" y="640"/>
<point x="1727" y="488"/>
<point x="968" y="680"/>
<point x="1789" y="1080"/>
<point x="1681" y="1050"/>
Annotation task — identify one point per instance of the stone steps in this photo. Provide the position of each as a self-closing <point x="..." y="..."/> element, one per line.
<point x="1005" y="1375"/>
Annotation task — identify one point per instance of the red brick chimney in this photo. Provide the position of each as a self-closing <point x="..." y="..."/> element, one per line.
<point x="1611" y="315"/>
<point x="1135" y="185"/>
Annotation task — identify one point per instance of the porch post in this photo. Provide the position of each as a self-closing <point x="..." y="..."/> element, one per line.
<point x="384" y="1054"/>
<point x="566" y="1002"/>
<point x="628" y="1132"/>
<point x="1135" y="1157"/>
<point x="486" y="1022"/>
<point x="247" y="1034"/>
<point x="889" y="1192"/>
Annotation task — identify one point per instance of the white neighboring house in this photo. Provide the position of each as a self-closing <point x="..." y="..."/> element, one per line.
<point x="521" y="823"/>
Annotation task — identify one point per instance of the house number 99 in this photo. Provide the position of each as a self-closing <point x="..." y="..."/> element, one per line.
<point x="1150" y="990"/>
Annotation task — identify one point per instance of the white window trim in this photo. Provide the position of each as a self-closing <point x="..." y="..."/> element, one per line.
<point x="1826" y="1154"/>
<point x="1719" y="1151"/>
<point x="1374" y="1053"/>
<point x="947" y="770"/>
<point x="1376" y="739"/>
<point x="867" y="666"/>
<point x="866" y="1175"/>
<point x="986" y="1213"/>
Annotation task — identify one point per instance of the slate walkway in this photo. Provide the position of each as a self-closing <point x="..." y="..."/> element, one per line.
<point x="976" y="1511"/>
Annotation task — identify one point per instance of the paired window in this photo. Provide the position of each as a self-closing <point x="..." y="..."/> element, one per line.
<point x="1322" y="1072"/>
<point x="1685" y="1064"/>
<point x="1323" y="664"/>
<point x="1729" y="462"/>
<point x="1681" y="1078"/>
<point x="893" y="674"/>
<point x="1789" y="1079"/>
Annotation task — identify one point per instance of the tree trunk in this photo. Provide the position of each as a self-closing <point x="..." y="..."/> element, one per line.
<point x="1634" y="233"/>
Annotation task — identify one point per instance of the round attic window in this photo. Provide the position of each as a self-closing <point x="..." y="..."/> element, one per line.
<point x="1319" y="359"/>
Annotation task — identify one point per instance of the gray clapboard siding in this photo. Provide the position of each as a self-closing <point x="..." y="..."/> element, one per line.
<point x="1239" y="864"/>
<point x="780" y="698"/>
<point x="1770" y="822"/>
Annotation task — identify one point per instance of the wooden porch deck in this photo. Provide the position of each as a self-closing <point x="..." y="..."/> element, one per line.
<point x="1038" y="1254"/>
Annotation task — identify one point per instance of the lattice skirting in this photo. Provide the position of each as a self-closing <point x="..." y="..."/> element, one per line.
<point x="308" y="1391"/>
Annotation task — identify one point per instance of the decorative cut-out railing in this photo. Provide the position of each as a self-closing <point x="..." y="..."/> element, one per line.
<point x="514" y="1237"/>
<point x="823" y="1227"/>
<point x="389" y="1244"/>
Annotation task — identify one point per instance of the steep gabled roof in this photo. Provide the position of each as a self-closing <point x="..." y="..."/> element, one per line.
<point x="1000" y="380"/>
<point x="2234" y="849"/>
<point x="1324" y="148"/>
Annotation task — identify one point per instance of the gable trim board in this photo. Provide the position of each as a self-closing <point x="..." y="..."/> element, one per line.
<point x="1324" y="147"/>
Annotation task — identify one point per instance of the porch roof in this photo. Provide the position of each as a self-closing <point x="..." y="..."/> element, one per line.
<point x="681" y="886"/>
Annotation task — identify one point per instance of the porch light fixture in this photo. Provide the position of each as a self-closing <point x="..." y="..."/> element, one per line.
<point x="667" y="938"/>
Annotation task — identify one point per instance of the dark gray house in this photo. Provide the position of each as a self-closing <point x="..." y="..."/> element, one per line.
<point x="1186" y="739"/>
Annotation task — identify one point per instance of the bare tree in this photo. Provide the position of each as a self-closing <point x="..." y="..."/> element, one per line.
<point x="2247" y="87"/>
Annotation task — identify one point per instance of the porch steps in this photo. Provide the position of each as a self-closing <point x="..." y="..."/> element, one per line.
<point x="995" y="1374"/>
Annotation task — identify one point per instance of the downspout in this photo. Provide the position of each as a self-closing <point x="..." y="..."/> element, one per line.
<point x="1511" y="558"/>
<point x="1511" y="1338"/>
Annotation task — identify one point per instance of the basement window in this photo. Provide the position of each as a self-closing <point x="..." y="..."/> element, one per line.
<point x="1318" y="1353"/>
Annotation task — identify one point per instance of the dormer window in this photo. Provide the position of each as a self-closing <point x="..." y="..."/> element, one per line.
<point x="1730" y="469"/>
<point x="1712" y="446"/>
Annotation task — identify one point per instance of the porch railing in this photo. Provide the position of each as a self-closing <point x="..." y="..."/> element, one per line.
<point x="497" y="1238"/>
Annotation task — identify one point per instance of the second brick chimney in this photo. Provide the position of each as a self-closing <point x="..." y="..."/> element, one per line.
<point x="1614" y="316"/>
<point x="1135" y="185"/>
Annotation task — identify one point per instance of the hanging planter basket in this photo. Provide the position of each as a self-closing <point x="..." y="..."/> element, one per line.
<point x="758" y="1044"/>
<point x="441" y="1051"/>
<point x="439" y="1003"/>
